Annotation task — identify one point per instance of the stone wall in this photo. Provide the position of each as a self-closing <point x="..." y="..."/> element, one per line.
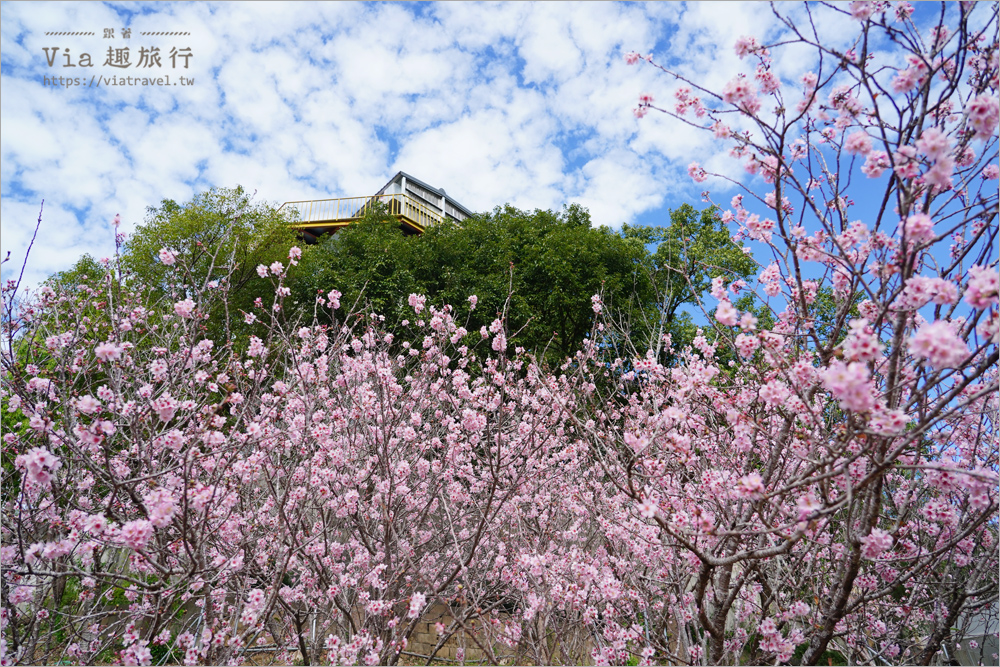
<point x="425" y="638"/>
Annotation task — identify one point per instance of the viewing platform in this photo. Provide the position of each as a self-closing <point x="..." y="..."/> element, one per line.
<point x="412" y="202"/>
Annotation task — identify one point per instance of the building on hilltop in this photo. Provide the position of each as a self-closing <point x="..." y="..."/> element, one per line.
<point x="411" y="201"/>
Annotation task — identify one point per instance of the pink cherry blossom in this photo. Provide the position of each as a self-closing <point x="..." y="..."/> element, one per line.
<point x="875" y="164"/>
<point x="938" y="343"/>
<point x="39" y="464"/>
<point x="721" y="130"/>
<point x="136" y="534"/>
<point x="750" y="486"/>
<point x="416" y="302"/>
<point x="861" y="10"/>
<point x="983" y="287"/>
<point x="647" y="508"/>
<point x="919" y="228"/>
<point x="806" y="505"/>
<point x="108" y="352"/>
<point x="184" y="308"/>
<point x="167" y="257"/>
<point x="95" y="524"/>
<point x="858" y="142"/>
<point x="888" y="422"/>
<point x="746" y="344"/>
<point x="906" y="163"/>
<point x="984" y="115"/>
<point x="697" y="173"/>
<point x="417" y="602"/>
<point x="726" y="314"/>
<point x="160" y="506"/>
<point x="742" y="94"/>
<point x="165" y="407"/>
<point x="88" y="405"/>
<point x="850" y="384"/>
<point x="745" y="46"/>
<point x="774" y="393"/>
<point x="875" y="543"/>
<point x="769" y="82"/>
<point x="934" y="143"/>
<point x="626" y="502"/>
<point x="861" y="344"/>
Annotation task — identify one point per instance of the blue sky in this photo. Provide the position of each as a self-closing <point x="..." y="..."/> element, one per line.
<point x="521" y="103"/>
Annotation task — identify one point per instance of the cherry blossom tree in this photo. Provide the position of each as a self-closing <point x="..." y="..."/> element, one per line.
<point x="847" y="472"/>
<point x="310" y="494"/>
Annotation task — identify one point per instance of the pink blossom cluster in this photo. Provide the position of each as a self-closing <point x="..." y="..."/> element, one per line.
<point x="850" y="383"/>
<point x="135" y="534"/>
<point x="876" y="162"/>
<point x="772" y="640"/>
<point x="919" y="228"/>
<point x="768" y="81"/>
<point x="417" y="302"/>
<point x="921" y="290"/>
<point x="686" y="102"/>
<point x="108" y="352"/>
<point x="983" y="287"/>
<point x="937" y="147"/>
<point x="726" y="314"/>
<point x="858" y="142"/>
<point x="39" y="465"/>
<point x="861" y="344"/>
<point x="912" y="77"/>
<point x="184" y="308"/>
<point x="875" y="543"/>
<point x="984" y="114"/>
<point x="167" y="257"/>
<point x="160" y="507"/>
<point x="771" y="279"/>
<point x="742" y="94"/>
<point x="745" y="46"/>
<point x="809" y="83"/>
<point x="940" y="345"/>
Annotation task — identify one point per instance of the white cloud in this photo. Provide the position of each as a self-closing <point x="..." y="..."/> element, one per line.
<point x="519" y="103"/>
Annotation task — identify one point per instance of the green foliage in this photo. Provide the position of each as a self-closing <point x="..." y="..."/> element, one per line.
<point x="548" y="264"/>
<point x="370" y="257"/>
<point x="85" y="269"/>
<point x="163" y="654"/>
<point x="223" y="235"/>
<point x="15" y="423"/>
<point x="691" y="250"/>
<point x="539" y="268"/>
<point x="826" y="658"/>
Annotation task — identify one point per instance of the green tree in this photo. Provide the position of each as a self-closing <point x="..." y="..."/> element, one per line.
<point x="84" y="269"/>
<point x="691" y="250"/>
<point x="541" y="268"/>
<point x="221" y="235"/>
<point x="368" y="261"/>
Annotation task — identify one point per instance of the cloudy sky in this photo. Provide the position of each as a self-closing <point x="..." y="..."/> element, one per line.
<point x="528" y="104"/>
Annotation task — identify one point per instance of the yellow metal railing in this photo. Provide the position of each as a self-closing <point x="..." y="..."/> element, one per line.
<point x="335" y="212"/>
